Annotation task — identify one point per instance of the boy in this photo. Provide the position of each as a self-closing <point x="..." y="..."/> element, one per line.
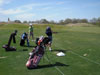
<point x="24" y="37"/>
<point x="49" y="34"/>
<point x="31" y="31"/>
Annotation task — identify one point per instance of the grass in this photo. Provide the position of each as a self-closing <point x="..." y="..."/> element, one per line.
<point x="73" y="41"/>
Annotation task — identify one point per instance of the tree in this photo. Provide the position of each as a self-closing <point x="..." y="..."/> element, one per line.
<point x="84" y="21"/>
<point x="99" y="20"/>
<point x="61" y="22"/>
<point x="52" y="22"/>
<point x="25" y="22"/>
<point x="67" y="21"/>
<point x="17" y="21"/>
<point x="30" y="22"/>
<point x="44" y="21"/>
<point x="74" y="21"/>
<point x="94" y="20"/>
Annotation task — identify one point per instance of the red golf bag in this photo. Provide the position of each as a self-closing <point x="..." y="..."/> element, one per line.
<point x="35" y="57"/>
<point x="37" y="53"/>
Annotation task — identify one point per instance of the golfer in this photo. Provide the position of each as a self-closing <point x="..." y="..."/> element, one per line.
<point x="31" y="31"/>
<point x="49" y="34"/>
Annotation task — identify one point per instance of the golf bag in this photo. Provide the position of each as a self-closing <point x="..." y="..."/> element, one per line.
<point x="23" y="38"/>
<point x="37" y="53"/>
<point x="22" y="42"/>
<point x="7" y="46"/>
<point x="35" y="57"/>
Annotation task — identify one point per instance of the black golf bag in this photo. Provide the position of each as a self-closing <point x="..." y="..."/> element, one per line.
<point x="7" y="46"/>
<point x="37" y="53"/>
<point x="22" y="42"/>
<point x="23" y="38"/>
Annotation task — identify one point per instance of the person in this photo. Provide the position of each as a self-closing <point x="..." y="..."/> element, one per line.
<point x="49" y="34"/>
<point x="24" y="37"/>
<point x="31" y="31"/>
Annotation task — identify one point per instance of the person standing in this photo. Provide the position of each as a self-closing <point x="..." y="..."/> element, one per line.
<point x="49" y="34"/>
<point x="31" y="31"/>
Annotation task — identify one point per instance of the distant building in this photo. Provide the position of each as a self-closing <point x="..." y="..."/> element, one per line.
<point x="8" y="19"/>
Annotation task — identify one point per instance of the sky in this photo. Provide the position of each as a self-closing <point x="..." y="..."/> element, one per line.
<point x="30" y="10"/>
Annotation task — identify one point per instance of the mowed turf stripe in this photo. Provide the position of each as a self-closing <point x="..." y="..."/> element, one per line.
<point x="81" y="56"/>
<point x="85" y="58"/>
<point x="55" y="66"/>
<point x="3" y="57"/>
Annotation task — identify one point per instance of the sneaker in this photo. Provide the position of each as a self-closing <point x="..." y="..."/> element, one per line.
<point x="50" y="48"/>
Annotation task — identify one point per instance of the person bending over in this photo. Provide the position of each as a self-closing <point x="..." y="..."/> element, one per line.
<point x="49" y="34"/>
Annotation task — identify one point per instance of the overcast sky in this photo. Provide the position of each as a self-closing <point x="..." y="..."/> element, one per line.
<point x="48" y="9"/>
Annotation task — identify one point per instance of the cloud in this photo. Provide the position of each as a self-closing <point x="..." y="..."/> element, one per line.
<point x="17" y="10"/>
<point x="2" y="2"/>
<point x="32" y="5"/>
<point x="42" y="6"/>
<point x="28" y="7"/>
<point x="24" y="8"/>
<point x="26" y="16"/>
<point x="11" y="11"/>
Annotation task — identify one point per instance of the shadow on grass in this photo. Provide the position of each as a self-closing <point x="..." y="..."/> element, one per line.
<point x="50" y="65"/>
<point x="23" y="50"/>
<point x="28" y="46"/>
<point x="56" y="32"/>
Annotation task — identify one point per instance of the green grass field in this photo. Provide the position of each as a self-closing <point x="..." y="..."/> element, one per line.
<point x="80" y="44"/>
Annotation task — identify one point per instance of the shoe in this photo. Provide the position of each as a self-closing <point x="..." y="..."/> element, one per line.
<point x="50" y="48"/>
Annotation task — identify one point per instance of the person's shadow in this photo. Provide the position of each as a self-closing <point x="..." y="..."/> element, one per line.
<point x="51" y="65"/>
<point x="23" y="50"/>
<point x="29" y="46"/>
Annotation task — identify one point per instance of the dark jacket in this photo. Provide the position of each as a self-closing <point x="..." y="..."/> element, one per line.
<point x="49" y="31"/>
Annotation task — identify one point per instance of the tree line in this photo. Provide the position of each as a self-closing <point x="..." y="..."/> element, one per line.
<point x="95" y="21"/>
